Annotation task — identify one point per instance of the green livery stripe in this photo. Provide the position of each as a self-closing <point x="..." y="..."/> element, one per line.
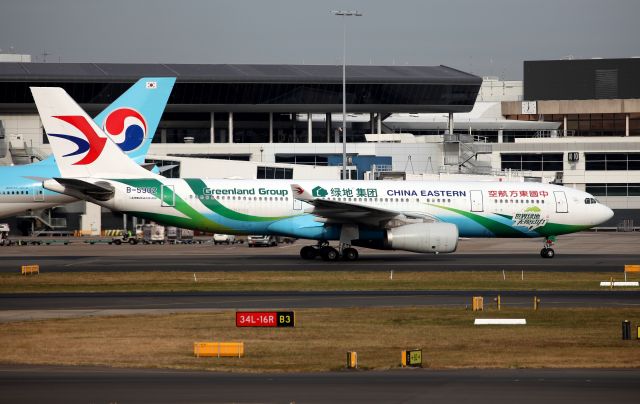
<point x="197" y="186"/>
<point x="186" y="223"/>
<point x="497" y="228"/>
<point x="194" y="218"/>
<point x="553" y="229"/>
<point x="549" y="229"/>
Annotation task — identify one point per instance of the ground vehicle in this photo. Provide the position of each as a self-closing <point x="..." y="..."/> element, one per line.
<point x="4" y="233"/>
<point x="262" y="241"/>
<point x="127" y="237"/>
<point x="153" y="234"/>
<point x="177" y="235"/>
<point x="224" y="239"/>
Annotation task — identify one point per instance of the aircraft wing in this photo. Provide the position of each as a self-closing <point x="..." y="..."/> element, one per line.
<point x="352" y="212"/>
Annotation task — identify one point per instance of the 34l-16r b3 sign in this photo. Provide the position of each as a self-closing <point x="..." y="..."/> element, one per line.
<point x="265" y="319"/>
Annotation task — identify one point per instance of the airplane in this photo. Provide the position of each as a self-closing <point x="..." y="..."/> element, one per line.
<point x="131" y="121"/>
<point x="418" y="216"/>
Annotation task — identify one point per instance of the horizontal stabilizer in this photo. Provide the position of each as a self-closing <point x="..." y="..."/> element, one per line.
<point x="101" y="191"/>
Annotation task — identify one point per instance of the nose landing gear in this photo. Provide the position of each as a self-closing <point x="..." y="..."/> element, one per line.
<point x="547" y="251"/>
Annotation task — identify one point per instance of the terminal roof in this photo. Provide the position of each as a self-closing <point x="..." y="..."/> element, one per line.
<point x="235" y="73"/>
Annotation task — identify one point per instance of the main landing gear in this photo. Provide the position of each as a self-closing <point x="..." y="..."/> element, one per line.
<point x="328" y="253"/>
<point x="547" y="251"/>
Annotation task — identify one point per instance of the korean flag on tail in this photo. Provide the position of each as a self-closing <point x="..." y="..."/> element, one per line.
<point x="151" y="85"/>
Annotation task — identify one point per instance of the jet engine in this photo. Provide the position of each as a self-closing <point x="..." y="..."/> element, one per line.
<point x="423" y="238"/>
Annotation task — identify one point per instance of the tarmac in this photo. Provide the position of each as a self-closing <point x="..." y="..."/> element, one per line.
<point x="40" y="306"/>
<point x="588" y="252"/>
<point x="38" y="384"/>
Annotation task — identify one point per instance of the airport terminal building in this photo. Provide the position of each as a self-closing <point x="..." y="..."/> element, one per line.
<point x="573" y="122"/>
<point x="258" y="113"/>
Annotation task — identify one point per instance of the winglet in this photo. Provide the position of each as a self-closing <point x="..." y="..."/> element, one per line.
<point x="300" y="193"/>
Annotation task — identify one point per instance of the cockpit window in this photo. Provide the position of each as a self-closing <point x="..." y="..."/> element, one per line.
<point x="590" y="201"/>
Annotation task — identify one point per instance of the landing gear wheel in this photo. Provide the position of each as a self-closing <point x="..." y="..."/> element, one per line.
<point x="350" y="254"/>
<point x="547" y="253"/>
<point x="308" y="253"/>
<point x="329" y="254"/>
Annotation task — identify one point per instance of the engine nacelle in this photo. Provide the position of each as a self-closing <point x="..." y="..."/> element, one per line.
<point x="424" y="237"/>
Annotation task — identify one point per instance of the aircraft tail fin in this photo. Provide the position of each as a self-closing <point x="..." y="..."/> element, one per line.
<point x="80" y="147"/>
<point x="132" y="119"/>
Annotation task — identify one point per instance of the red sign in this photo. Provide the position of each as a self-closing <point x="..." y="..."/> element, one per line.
<point x="265" y="319"/>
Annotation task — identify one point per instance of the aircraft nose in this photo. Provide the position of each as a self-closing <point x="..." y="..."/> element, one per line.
<point x="606" y="214"/>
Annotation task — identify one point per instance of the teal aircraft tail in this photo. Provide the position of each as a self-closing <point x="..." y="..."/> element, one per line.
<point x="131" y="120"/>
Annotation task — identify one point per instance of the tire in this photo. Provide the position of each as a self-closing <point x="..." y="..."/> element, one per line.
<point x="117" y="242"/>
<point x="308" y="253"/>
<point x="133" y="241"/>
<point x="350" y="254"/>
<point x="329" y="254"/>
<point x="547" y="253"/>
<point x="550" y="253"/>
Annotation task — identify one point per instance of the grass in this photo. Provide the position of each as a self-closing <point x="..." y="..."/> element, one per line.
<point x="581" y="337"/>
<point x="300" y="280"/>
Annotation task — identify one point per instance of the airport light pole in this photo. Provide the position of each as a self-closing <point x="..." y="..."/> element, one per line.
<point x="343" y="14"/>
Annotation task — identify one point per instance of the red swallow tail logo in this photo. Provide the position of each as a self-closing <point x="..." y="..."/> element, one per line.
<point x="299" y="190"/>
<point x="93" y="144"/>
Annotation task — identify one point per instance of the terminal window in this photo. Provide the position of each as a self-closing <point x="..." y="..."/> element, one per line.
<point x="275" y="173"/>
<point x="532" y="161"/>
<point x="612" y="161"/>
<point x="614" y="189"/>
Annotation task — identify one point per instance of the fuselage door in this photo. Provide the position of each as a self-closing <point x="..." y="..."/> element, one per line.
<point x="476" y="201"/>
<point x="168" y="196"/>
<point x="38" y="193"/>
<point x="297" y="204"/>
<point x="561" y="202"/>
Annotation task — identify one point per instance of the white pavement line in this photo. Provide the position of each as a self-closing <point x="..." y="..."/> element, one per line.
<point x="500" y="321"/>
<point x="608" y="284"/>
